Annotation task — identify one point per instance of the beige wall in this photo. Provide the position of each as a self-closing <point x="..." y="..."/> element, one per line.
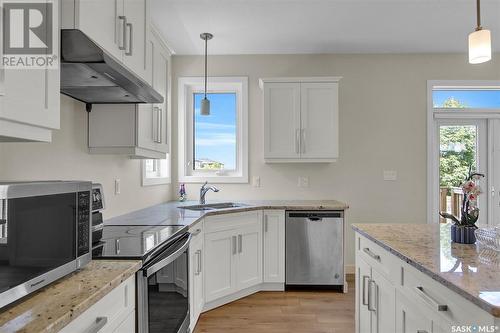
<point x="382" y="127"/>
<point x="67" y="158"/>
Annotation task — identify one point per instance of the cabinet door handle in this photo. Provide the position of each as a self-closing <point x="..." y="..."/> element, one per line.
<point x="438" y="307"/>
<point x="199" y="262"/>
<point x="371" y="254"/>
<point x="121" y="46"/>
<point x="297" y="141"/>
<point x="364" y="289"/>
<point x="154" y="125"/>
<point x="240" y="243"/>
<point x="160" y="125"/>
<point x="130" y="39"/>
<point x="303" y="141"/>
<point x="234" y="244"/>
<point x="371" y="299"/>
<point x="97" y="325"/>
<point x="265" y="224"/>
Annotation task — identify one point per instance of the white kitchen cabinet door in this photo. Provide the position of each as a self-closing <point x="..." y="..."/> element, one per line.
<point x="319" y="120"/>
<point x="274" y="246"/>
<point x="127" y="325"/>
<point x="102" y="20"/>
<point x="220" y="253"/>
<point x="384" y="294"/>
<point x="136" y="35"/>
<point x="410" y="318"/>
<point x="363" y="276"/>
<point x="249" y="259"/>
<point x="196" y="300"/>
<point x="281" y="120"/>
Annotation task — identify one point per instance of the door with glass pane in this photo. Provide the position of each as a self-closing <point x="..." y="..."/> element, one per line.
<point x="463" y="146"/>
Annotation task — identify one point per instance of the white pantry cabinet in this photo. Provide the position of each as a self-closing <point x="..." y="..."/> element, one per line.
<point x="29" y="100"/>
<point x="121" y="27"/>
<point x="301" y="119"/>
<point x="274" y="246"/>
<point x="233" y="253"/>
<point x="139" y="130"/>
<point x="115" y="312"/>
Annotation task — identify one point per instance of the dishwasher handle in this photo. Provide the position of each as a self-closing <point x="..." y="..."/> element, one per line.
<point x="315" y="215"/>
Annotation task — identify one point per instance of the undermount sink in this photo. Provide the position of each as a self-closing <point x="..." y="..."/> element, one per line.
<point x="213" y="206"/>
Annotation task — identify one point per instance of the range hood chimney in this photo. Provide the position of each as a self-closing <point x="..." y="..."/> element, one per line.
<point x="91" y="75"/>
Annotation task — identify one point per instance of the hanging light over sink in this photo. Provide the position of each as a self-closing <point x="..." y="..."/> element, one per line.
<point x="205" y="103"/>
<point x="479" y="41"/>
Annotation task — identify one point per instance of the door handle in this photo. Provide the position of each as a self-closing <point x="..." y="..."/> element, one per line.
<point x="438" y="307"/>
<point x="370" y="298"/>
<point x="363" y="289"/>
<point x="97" y="325"/>
<point x="130" y="46"/>
<point x="371" y="254"/>
<point x="297" y="141"/>
<point x="234" y="244"/>
<point x="240" y="243"/>
<point x="124" y="32"/>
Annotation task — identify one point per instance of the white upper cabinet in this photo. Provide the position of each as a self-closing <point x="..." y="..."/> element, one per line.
<point x="29" y="100"/>
<point x="301" y="119"/>
<point x="121" y="27"/>
<point x="140" y="130"/>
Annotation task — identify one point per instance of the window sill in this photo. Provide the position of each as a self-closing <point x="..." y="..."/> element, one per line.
<point x="156" y="181"/>
<point x="214" y="179"/>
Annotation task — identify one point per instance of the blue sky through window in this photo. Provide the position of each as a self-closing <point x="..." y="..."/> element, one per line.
<point x="482" y="99"/>
<point x="215" y="135"/>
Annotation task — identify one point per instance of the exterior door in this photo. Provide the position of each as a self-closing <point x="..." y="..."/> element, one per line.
<point x="319" y="120"/>
<point x="220" y="252"/>
<point x="282" y="120"/>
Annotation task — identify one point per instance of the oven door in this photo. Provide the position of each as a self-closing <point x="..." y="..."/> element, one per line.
<point x="163" y="297"/>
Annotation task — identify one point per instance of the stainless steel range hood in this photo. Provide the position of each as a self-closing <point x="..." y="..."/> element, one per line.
<point x="91" y="75"/>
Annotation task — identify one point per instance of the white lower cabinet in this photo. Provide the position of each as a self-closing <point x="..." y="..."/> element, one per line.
<point x="115" y="312"/>
<point x="196" y="268"/>
<point x="410" y="318"/>
<point x="274" y="246"/>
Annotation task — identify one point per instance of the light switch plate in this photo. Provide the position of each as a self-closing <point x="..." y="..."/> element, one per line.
<point x="118" y="189"/>
<point x="303" y="181"/>
<point x="390" y="175"/>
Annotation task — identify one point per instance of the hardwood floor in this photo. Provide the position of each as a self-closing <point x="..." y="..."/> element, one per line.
<point x="280" y="312"/>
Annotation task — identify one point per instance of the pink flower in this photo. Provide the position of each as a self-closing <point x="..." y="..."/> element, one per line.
<point x="468" y="186"/>
<point x="472" y="197"/>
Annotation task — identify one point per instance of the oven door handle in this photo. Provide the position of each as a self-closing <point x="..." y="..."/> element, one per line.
<point x="165" y="261"/>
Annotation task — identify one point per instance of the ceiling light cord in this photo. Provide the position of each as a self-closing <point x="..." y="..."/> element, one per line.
<point x="206" y="61"/>
<point x="478" y="15"/>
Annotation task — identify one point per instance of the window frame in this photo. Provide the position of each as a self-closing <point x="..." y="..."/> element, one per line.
<point x="157" y="180"/>
<point x="187" y="86"/>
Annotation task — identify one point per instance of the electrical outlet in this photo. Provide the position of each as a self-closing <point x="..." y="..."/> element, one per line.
<point x="303" y="181"/>
<point x="390" y="175"/>
<point x="256" y="181"/>
<point x="118" y="186"/>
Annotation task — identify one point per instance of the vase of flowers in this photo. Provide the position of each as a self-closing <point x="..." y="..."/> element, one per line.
<point x="462" y="229"/>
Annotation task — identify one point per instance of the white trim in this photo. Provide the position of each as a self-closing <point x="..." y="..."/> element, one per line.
<point x="158" y="180"/>
<point x="186" y="86"/>
<point x="298" y="79"/>
<point x="440" y="113"/>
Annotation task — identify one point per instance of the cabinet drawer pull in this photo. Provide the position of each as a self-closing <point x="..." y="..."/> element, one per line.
<point x="234" y="244"/>
<point x="121" y="46"/>
<point x="130" y="47"/>
<point x="371" y="254"/>
<point x="97" y="325"/>
<point x="371" y="299"/>
<point x="364" y="289"/>
<point x="438" y="307"/>
<point x="240" y="243"/>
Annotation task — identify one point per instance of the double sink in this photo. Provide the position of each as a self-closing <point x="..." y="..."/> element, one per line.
<point x="213" y="206"/>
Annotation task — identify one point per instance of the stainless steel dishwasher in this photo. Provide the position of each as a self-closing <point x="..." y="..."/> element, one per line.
<point x="314" y="248"/>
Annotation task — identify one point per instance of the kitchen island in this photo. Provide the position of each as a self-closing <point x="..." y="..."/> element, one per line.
<point x="412" y="278"/>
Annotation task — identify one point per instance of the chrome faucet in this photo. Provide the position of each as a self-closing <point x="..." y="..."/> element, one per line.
<point x="203" y="191"/>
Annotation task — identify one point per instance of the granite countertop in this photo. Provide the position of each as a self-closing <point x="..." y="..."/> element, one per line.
<point x="468" y="270"/>
<point x="170" y="214"/>
<point x="54" y="306"/>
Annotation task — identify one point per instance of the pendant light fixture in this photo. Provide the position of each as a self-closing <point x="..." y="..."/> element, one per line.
<point x="479" y="41"/>
<point x="205" y="103"/>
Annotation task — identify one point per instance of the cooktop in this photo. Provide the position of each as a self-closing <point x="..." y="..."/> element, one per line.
<point x="135" y="241"/>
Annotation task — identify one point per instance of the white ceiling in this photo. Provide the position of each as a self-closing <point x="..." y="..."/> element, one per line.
<point x="322" y="26"/>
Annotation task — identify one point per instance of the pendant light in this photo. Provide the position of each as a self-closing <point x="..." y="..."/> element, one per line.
<point x="479" y="41"/>
<point x="205" y="103"/>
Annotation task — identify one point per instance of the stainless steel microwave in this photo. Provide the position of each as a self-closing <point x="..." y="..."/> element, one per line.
<point x="45" y="234"/>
